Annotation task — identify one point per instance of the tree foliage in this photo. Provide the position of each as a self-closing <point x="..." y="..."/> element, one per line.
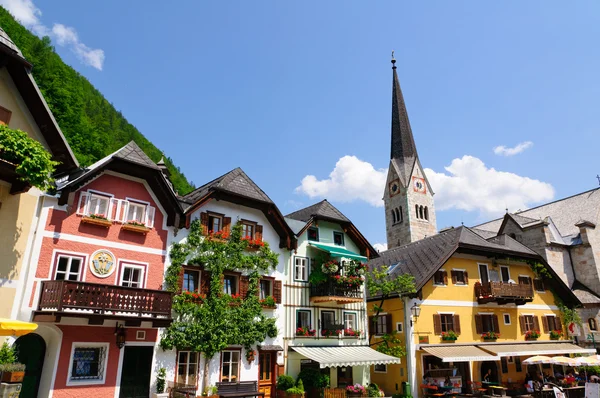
<point x="91" y="124"/>
<point x="210" y="324"/>
<point x="34" y="163"/>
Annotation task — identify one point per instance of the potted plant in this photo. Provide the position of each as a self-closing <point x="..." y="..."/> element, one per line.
<point x="330" y="267"/>
<point x="250" y="355"/>
<point x="357" y="390"/>
<point x="532" y="334"/>
<point x="330" y="332"/>
<point x="490" y="336"/>
<point x="297" y="391"/>
<point x="305" y="332"/>
<point x="12" y="371"/>
<point x="268" y="302"/>
<point x="253" y="244"/>
<point x="349" y="332"/>
<point x="161" y="380"/>
<point x="450" y="335"/>
<point x="284" y="383"/>
<point x="556" y="334"/>
<point x="210" y="391"/>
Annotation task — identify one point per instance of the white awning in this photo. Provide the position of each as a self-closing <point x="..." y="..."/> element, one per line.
<point x="509" y="350"/>
<point x="330" y="357"/>
<point x="464" y="353"/>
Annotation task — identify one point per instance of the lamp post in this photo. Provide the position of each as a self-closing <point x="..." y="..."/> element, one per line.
<point x="411" y="313"/>
<point x="415" y="311"/>
<point x="120" y="333"/>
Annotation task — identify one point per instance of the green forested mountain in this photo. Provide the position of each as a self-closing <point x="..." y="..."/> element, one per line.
<point x="92" y="125"/>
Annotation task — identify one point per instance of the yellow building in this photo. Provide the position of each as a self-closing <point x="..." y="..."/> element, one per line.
<point x="22" y="107"/>
<point x="472" y="288"/>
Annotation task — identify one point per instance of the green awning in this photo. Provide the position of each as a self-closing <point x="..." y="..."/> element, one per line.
<point x="336" y="251"/>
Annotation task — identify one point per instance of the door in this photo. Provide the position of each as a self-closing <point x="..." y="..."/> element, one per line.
<point x="31" y="350"/>
<point x="135" y="373"/>
<point x="483" y="274"/>
<point x="266" y="373"/>
<point x="344" y="375"/>
<point x="486" y="367"/>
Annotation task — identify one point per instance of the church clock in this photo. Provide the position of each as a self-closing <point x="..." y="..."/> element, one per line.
<point x="394" y="187"/>
<point x="419" y="185"/>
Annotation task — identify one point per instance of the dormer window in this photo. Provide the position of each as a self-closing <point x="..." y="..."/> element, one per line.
<point x="338" y="238"/>
<point x="313" y="234"/>
<point x="136" y="212"/>
<point x="98" y="205"/>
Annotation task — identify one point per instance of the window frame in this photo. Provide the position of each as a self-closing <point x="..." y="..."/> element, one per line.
<point x="535" y="288"/>
<point x="380" y="371"/>
<point x="441" y="272"/>
<point x="142" y="266"/>
<point x="197" y="272"/>
<point x="306" y="268"/>
<point x="310" y="317"/>
<point x="504" y="319"/>
<point x="251" y="224"/>
<point x="340" y="234"/>
<point x="491" y="321"/>
<point x="589" y="322"/>
<point x="81" y="272"/>
<point x="383" y="324"/>
<point x="137" y="203"/>
<point x="316" y="230"/>
<point x="84" y="382"/>
<point x="104" y="195"/>
<point x="487" y="271"/>
<point x="211" y="216"/>
<point x="553" y="316"/>
<point x="529" y="316"/>
<point x="187" y="364"/>
<point x="237" y="351"/>
<point x="322" y="318"/>
<point x="462" y="271"/>
<point x="446" y="314"/>
<point x="353" y="313"/>
<point x="399" y="329"/>
<point x="260" y="284"/>
<point x="508" y="272"/>
<point x="236" y="284"/>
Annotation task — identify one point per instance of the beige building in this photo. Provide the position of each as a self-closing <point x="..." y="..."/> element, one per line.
<point x="22" y="107"/>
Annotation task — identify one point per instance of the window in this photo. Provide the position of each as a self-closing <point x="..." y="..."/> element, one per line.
<point x="5" y="115"/>
<point x="98" y="204"/>
<point x="421" y="212"/>
<point x="552" y="323"/>
<point x="230" y="363"/>
<point x="136" y="212"/>
<point x="313" y="234"/>
<point x="300" y="268"/>
<point x="440" y="278"/>
<point x="505" y="274"/>
<point x="399" y="214"/>
<point x="459" y="277"/>
<point x="68" y="268"/>
<point x="88" y="362"/>
<point x="140" y="335"/>
<point x="303" y="319"/>
<point x="394" y="216"/>
<point x="266" y="288"/>
<point x="426" y="213"/>
<point x="483" y="273"/>
<point x="524" y="280"/>
<point x="230" y="284"/>
<point x="187" y="367"/>
<point x="506" y="319"/>
<point x="592" y="324"/>
<point x="528" y="322"/>
<point x="247" y="230"/>
<point x="486" y="323"/>
<point x="215" y="223"/>
<point x="447" y="322"/>
<point x="132" y="275"/>
<point x="399" y="327"/>
<point x="327" y="320"/>
<point x="191" y="280"/>
<point x="338" y="238"/>
<point x="417" y="210"/>
<point x="538" y="285"/>
<point x="381" y="324"/>
<point x="350" y="320"/>
<point x="380" y="368"/>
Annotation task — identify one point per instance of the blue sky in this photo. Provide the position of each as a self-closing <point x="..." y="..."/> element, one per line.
<point x="285" y="90"/>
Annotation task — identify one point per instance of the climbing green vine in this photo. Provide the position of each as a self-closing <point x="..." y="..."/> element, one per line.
<point x="34" y="164"/>
<point x="210" y="322"/>
<point x="392" y="345"/>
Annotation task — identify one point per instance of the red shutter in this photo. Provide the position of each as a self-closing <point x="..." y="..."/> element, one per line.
<point x="536" y="323"/>
<point x="205" y="283"/>
<point x="522" y="324"/>
<point x="227" y="225"/>
<point x="466" y="274"/>
<point x="456" y="323"/>
<point x="445" y="277"/>
<point x="277" y="291"/>
<point x="388" y="323"/>
<point x="437" y="324"/>
<point x="244" y="281"/>
<point x="495" y="324"/>
<point x="545" y="324"/>
<point x="258" y="235"/>
<point x="478" y="324"/>
<point x="204" y="222"/>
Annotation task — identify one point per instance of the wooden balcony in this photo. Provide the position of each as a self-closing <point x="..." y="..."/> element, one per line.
<point x="503" y="293"/>
<point x="98" y="302"/>
<point x="333" y="291"/>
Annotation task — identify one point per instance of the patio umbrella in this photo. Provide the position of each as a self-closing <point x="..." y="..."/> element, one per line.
<point x="587" y="361"/>
<point x="564" y="361"/>
<point x="9" y="327"/>
<point x="537" y="360"/>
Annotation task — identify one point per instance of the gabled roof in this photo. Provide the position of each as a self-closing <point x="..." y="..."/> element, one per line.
<point x="236" y="187"/>
<point x="585" y="295"/>
<point x="235" y="182"/>
<point x="20" y="72"/>
<point x="565" y="212"/>
<point x="322" y="210"/>
<point x="426" y="256"/>
<point x="130" y="160"/>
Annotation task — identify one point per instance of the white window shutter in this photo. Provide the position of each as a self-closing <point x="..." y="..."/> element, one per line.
<point x="150" y="216"/>
<point x="118" y="211"/>
<point x="82" y="204"/>
<point x="113" y="203"/>
<point x="124" y="210"/>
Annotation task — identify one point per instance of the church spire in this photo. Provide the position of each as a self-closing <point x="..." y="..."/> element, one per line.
<point x="404" y="150"/>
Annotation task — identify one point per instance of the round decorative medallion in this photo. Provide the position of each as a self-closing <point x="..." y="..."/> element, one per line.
<point x="102" y="263"/>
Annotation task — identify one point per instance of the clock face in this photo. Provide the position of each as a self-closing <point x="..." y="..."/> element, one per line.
<point x="419" y="185"/>
<point x="394" y="187"/>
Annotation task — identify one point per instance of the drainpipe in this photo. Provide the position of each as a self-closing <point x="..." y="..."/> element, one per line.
<point x="411" y="370"/>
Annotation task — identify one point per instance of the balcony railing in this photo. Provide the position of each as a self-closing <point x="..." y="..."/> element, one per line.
<point x="333" y="291"/>
<point x="503" y="293"/>
<point x="108" y="300"/>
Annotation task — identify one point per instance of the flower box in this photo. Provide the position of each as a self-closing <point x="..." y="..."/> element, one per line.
<point x="102" y="222"/>
<point x="449" y="336"/>
<point x="556" y="334"/>
<point x="12" y="377"/>
<point x="305" y="332"/>
<point x="140" y="229"/>
<point x="532" y="335"/>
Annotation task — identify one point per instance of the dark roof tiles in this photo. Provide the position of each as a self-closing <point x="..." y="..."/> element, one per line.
<point x="323" y="209"/>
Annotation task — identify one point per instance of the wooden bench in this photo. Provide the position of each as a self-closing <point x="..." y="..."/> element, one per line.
<point x="239" y="389"/>
<point x="180" y="390"/>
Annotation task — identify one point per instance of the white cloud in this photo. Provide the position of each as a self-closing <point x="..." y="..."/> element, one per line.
<point x="506" y="151"/>
<point x="352" y="179"/>
<point x="471" y="186"/>
<point x="466" y="185"/>
<point x="380" y="247"/>
<point x="26" y="12"/>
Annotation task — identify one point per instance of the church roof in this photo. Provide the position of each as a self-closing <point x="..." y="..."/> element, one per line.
<point x="403" y="149"/>
<point x="323" y="209"/>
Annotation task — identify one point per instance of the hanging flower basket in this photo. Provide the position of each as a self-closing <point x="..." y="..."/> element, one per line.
<point x="330" y="267"/>
<point x="250" y="356"/>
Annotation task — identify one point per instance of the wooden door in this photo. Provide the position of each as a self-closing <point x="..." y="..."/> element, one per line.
<point x="266" y="373"/>
<point x="136" y="372"/>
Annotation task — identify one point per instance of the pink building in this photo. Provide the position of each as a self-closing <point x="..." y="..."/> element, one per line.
<point x="95" y="279"/>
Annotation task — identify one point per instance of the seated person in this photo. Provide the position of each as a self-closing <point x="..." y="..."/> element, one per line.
<point x="487" y="378"/>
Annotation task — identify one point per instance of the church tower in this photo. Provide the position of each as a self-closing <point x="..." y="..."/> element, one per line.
<point x="408" y="197"/>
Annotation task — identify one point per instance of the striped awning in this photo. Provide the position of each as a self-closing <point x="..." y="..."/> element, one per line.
<point x="463" y="353"/>
<point x="331" y="357"/>
<point x="509" y="350"/>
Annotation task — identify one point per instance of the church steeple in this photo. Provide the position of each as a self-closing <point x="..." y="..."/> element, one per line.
<point x="403" y="148"/>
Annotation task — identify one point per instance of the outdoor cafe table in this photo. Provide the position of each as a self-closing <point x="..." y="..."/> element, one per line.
<point x="496" y="390"/>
